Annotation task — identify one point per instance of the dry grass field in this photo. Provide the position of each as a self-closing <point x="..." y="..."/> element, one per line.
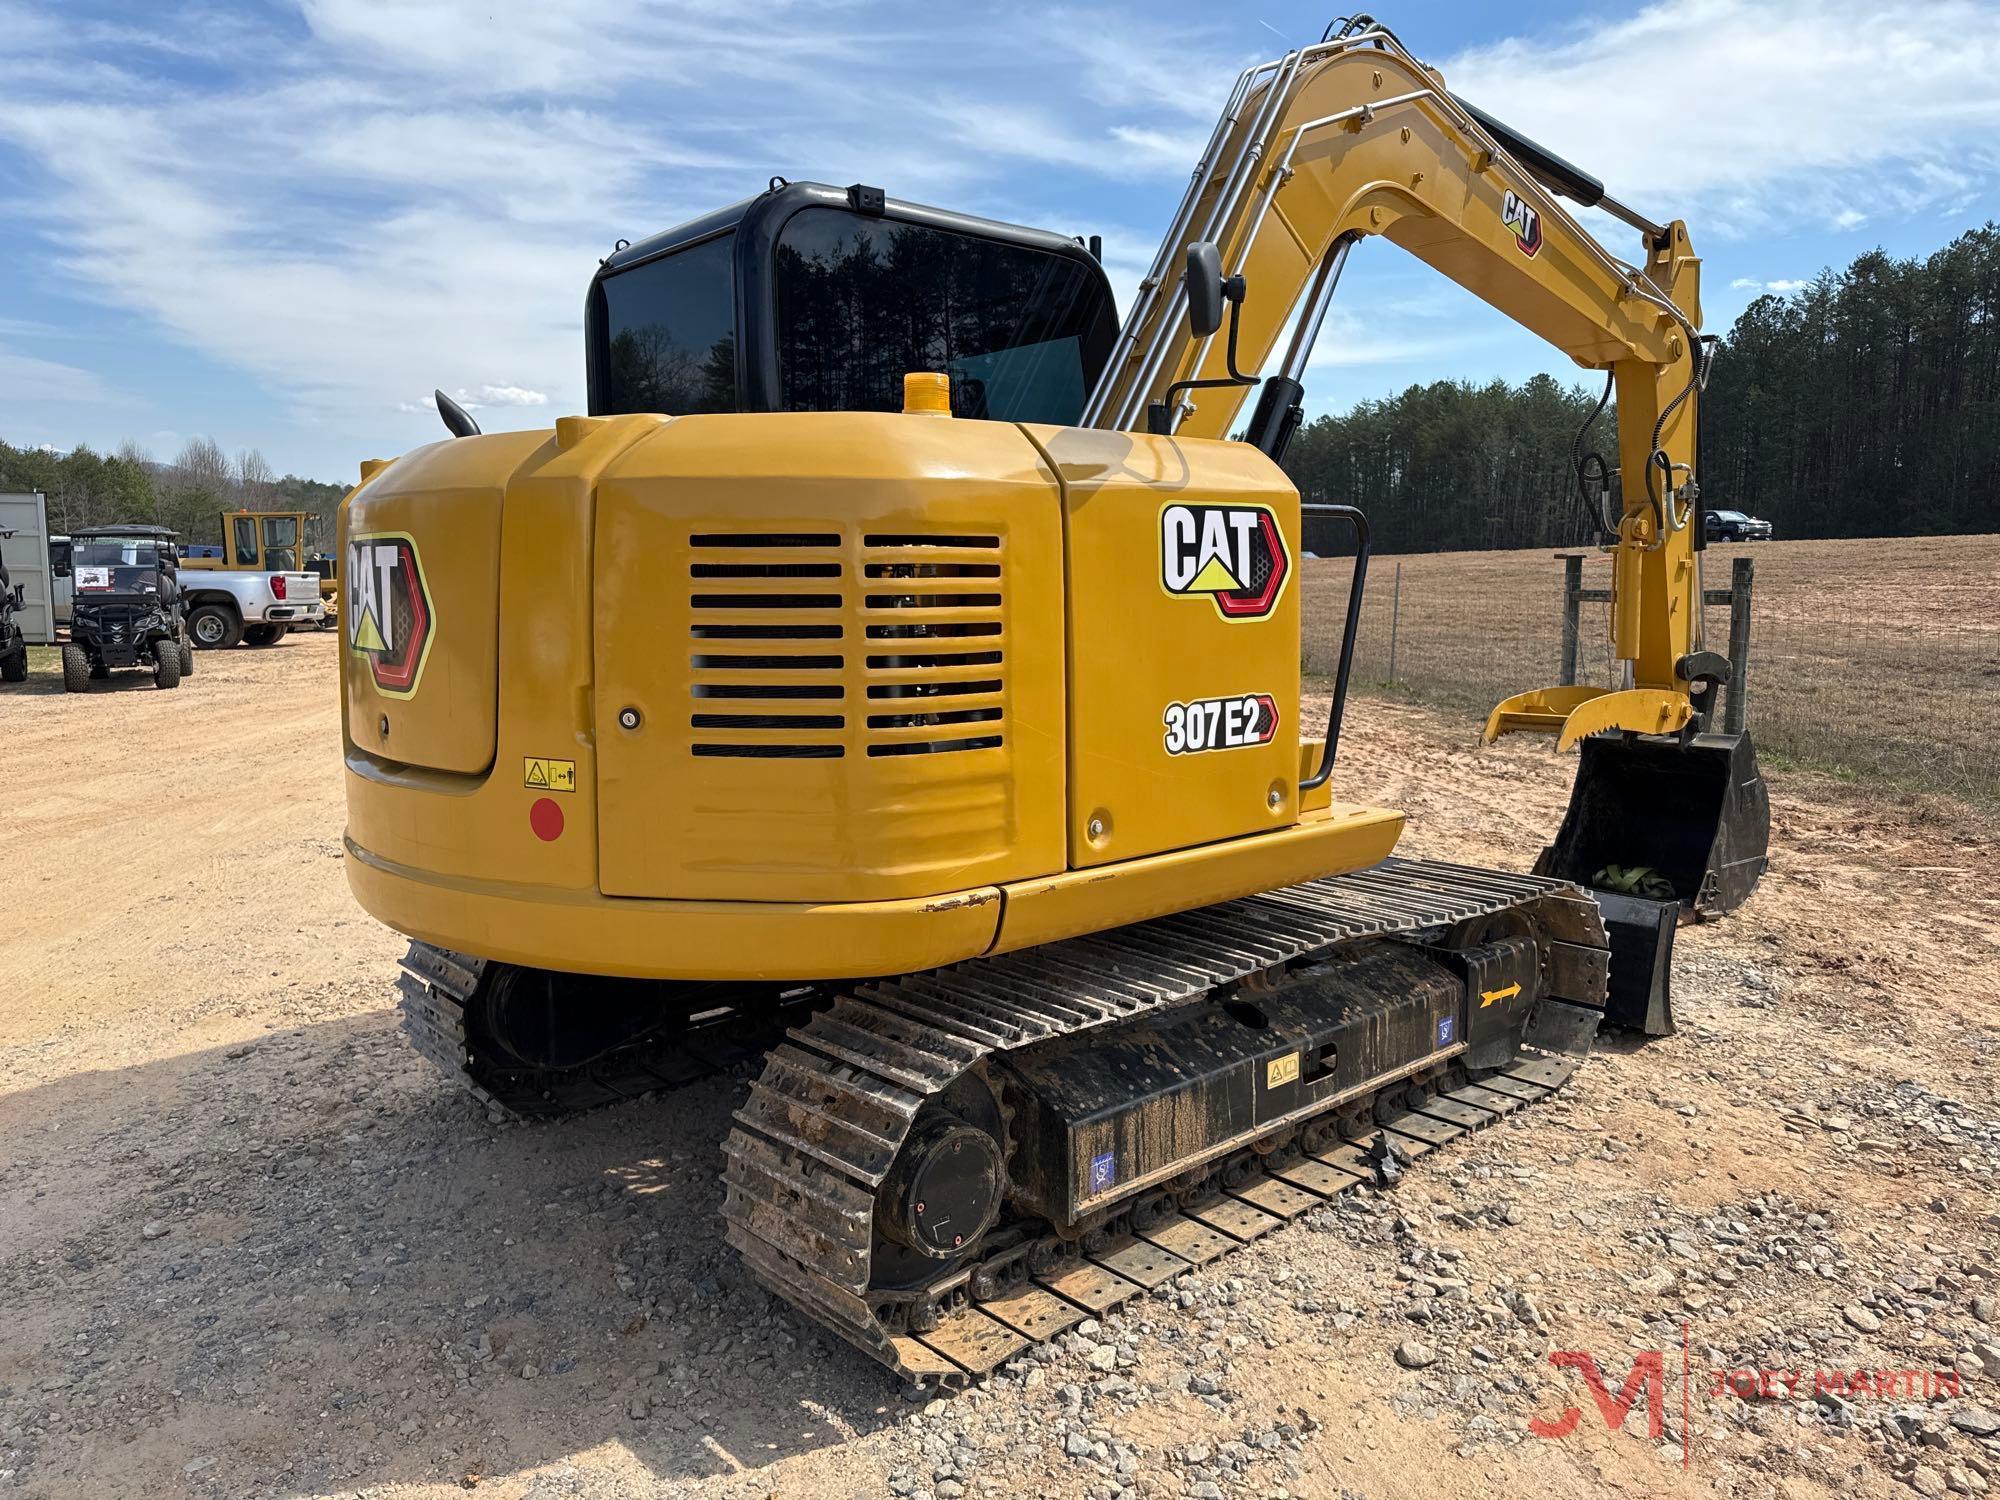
<point x="1878" y="657"/>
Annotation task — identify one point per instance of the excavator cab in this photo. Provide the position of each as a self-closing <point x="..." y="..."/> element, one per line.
<point x="815" y="298"/>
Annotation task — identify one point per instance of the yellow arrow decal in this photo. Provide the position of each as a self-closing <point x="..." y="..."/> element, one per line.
<point x="1487" y="997"/>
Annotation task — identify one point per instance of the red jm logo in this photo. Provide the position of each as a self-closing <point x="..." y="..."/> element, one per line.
<point x="1648" y="1374"/>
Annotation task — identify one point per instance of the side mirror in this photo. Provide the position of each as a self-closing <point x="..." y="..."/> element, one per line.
<point x="1204" y="287"/>
<point x="1207" y="294"/>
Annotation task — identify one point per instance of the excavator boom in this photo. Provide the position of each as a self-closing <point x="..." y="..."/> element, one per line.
<point x="1351" y="138"/>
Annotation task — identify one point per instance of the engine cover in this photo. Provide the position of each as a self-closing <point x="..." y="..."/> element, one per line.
<point x="1112" y="1111"/>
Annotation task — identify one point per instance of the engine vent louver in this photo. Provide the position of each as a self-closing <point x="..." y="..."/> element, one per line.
<point x="762" y="572"/>
<point x="769" y="682"/>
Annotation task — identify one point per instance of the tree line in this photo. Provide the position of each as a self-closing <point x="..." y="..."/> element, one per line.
<point x="1865" y="403"/>
<point x="188" y="493"/>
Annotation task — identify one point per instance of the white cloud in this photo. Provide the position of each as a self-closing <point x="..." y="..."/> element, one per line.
<point x="360" y="200"/>
<point x="509" y="48"/>
<point x="25" y="378"/>
<point x="1749" y="115"/>
<point x="511" y="395"/>
<point x="414" y="193"/>
<point x="479" y="398"/>
<point x="32" y="328"/>
<point x="1142" y="61"/>
<point x="1779" y="284"/>
<point x="1355" y="335"/>
<point x="1161" y="150"/>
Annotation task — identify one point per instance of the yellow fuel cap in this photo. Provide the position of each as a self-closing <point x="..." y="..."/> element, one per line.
<point x="927" y="392"/>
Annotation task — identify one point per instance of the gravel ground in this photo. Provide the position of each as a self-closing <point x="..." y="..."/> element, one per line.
<point x="251" y="1246"/>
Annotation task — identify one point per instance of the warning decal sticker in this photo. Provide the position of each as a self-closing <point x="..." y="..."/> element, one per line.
<point x="543" y="775"/>
<point x="1103" y="1172"/>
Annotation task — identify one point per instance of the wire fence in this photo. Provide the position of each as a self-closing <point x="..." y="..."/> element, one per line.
<point x="1897" y="684"/>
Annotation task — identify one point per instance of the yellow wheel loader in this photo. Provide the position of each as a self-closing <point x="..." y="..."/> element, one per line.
<point x="897" y="674"/>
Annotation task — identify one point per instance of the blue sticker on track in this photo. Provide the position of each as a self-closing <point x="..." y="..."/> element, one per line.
<point x="1103" y="1171"/>
<point x="1447" y="1030"/>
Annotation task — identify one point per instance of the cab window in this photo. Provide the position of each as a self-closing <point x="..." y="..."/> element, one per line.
<point x="861" y="302"/>
<point x="670" y="332"/>
<point x="281" y="543"/>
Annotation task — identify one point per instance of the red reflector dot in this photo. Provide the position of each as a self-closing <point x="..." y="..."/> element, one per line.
<point x="546" y="818"/>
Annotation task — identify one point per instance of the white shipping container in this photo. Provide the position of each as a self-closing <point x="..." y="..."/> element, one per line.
<point x="27" y="556"/>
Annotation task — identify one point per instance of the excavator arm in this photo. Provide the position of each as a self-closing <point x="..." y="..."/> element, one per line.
<point x="1354" y="137"/>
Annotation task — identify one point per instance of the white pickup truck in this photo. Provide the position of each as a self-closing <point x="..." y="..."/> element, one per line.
<point x="225" y="606"/>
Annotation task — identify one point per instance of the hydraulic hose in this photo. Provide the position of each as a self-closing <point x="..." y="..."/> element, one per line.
<point x="1580" y="462"/>
<point x="1702" y="356"/>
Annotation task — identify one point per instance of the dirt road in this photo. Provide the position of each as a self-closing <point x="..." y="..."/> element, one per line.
<point x="250" y="1246"/>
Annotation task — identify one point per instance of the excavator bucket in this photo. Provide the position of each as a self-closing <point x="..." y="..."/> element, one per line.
<point x="1660" y="828"/>
<point x="1665" y="818"/>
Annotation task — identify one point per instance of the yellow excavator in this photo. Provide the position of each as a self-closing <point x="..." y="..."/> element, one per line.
<point x="896" y="674"/>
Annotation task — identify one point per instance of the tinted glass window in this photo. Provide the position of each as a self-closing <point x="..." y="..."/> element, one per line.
<point x="281" y="543"/>
<point x="861" y="302"/>
<point x="670" y="330"/>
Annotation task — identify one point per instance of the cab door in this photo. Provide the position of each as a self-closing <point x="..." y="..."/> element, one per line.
<point x="281" y="544"/>
<point x="243" y="549"/>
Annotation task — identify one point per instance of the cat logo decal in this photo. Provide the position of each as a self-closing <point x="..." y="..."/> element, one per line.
<point x="1233" y="555"/>
<point x="1526" y="222"/>
<point x="388" y="610"/>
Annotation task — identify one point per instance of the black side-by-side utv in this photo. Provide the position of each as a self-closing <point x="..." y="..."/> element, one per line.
<point x="127" y="609"/>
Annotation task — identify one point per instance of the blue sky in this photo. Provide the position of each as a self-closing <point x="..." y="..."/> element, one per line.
<point x="280" y="223"/>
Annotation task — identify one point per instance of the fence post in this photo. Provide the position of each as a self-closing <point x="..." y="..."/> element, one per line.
<point x="1741" y="572"/>
<point x="1395" y="618"/>
<point x="1572" y="608"/>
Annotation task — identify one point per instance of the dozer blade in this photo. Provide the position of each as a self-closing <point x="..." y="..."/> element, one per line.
<point x="1690" y="820"/>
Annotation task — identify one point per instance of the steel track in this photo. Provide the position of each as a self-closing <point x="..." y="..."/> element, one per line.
<point x="438" y="988"/>
<point x="821" y="1128"/>
<point x="843" y="1084"/>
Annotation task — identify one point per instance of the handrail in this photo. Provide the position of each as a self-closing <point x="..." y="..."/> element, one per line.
<point x="1338" y="708"/>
